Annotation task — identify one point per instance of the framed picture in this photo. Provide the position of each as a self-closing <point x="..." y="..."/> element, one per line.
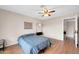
<point x="27" y="25"/>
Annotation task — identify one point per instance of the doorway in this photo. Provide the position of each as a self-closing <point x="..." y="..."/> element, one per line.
<point x="69" y="31"/>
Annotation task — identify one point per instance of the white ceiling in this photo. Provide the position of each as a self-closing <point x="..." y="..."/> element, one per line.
<point x="32" y="10"/>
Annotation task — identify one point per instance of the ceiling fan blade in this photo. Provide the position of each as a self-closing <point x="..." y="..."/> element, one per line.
<point x="40" y="12"/>
<point x="49" y="14"/>
<point x="42" y="16"/>
<point x="51" y="11"/>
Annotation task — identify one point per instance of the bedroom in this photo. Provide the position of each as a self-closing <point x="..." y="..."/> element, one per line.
<point x="14" y="18"/>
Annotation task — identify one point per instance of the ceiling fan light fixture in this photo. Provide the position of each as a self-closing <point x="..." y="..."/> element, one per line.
<point x="46" y="11"/>
<point x="47" y="14"/>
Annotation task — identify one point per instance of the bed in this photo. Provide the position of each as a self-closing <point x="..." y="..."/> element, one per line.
<point x="32" y="44"/>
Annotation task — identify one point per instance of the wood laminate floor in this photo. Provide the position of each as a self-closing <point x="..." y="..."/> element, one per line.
<point x="58" y="47"/>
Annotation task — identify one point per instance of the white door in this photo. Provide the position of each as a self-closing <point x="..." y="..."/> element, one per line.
<point x="76" y="31"/>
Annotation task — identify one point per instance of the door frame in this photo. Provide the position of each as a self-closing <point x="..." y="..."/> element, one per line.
<point x="76" y="29"/>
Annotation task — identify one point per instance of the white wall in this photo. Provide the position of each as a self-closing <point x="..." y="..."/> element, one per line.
<point x="12" y="26"/>
<point x="53" y="28"/>
<point x="65" y="26"/>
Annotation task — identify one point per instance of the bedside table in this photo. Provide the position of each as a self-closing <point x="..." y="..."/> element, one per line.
<point x="2" y="44"/>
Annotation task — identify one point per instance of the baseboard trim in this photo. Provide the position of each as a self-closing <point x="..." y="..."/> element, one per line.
<point x="11" y="45"/>
<point x="56" y="39"/>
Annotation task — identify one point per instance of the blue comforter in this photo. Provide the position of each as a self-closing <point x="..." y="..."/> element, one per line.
<point x="32" y="44"/>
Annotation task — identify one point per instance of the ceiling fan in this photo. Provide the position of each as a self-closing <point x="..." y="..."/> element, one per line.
<point x="46" y="12"/>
